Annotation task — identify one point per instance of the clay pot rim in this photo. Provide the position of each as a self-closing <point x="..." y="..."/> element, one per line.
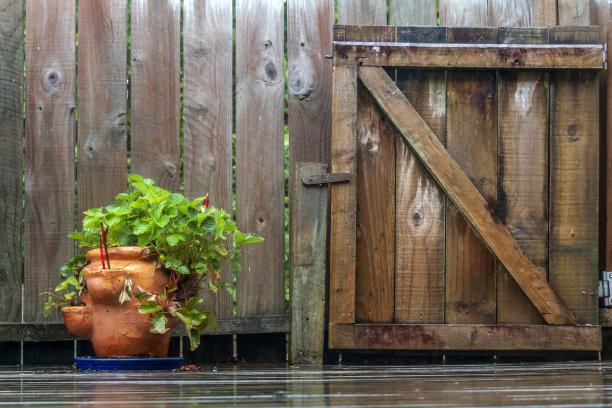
<point x="121" y="253"/>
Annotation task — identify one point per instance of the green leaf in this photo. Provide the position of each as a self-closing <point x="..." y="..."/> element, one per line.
<point x="119" y="208"/>
<point x="142" y="227"/>
<point x="172" y="263"/>
<point x="112" y="219"/>
<point x="141" y="296"/>
<point x="243" y="239"/>
<point x="212" y="320"/>
<point x="175" y="199"/>
<point x="79" y="236"/>
<point x="145" y="239"/>
<point x="149" y="307"/>
<point x="236" y="260"/>
<point x="212" y="287"/>
<point x="159" y="323"/>
<point x="193" y="302"/>
<point x="174" y="239"/>
<point x="183" y="270"/>
<point x="194" y="338"/>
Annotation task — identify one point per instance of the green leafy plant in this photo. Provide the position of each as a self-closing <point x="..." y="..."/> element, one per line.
<point x="189" y="238"/>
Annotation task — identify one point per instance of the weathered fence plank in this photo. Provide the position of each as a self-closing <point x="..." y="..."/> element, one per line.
<point x="49" y="162"/>
<point x="415" y="12"/>
<point x="363" y="12"/>
<point x="259" y="154"/>
<point x="544" y="13"/>
<point x="574" y="12"/>
<point x="574" y="186"/>
<point x="207" y="113"/>
<point x="342" y="253"/>
<point x="420" y="204"/>
<point x="510" y="13"/>
<point x="522" y="201"/>
<point x="155" y="91"/>
<point x="11" y="157"/>
<point x="466" y="337"/>
<point x="309" y="76"/>
<point x="309" y="209"/>
<point x="471" y="138"/>
<point x="374" y="288"/>
<point x="101" y="136"/>
<point x="463" y="13"/>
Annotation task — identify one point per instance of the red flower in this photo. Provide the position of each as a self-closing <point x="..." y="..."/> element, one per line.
<point x="206" y="201"/>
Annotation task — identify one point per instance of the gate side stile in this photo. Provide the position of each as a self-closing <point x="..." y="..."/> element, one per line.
<point x="574" y="185"/>
<point x="343" y="198"/>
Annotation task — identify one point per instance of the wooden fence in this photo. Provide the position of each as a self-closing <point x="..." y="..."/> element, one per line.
<point x="81" y="135"/>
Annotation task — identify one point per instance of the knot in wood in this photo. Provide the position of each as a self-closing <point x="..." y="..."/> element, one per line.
<point x="271" y="73"/>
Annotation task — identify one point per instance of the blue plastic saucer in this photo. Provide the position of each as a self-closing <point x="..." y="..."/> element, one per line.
<point x="144" y="363"/>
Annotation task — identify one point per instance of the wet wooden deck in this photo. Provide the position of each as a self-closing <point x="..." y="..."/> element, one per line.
<point x="555" y="385"/>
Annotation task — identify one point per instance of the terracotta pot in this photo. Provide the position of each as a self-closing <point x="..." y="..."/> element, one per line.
<point x="119" y="330"/>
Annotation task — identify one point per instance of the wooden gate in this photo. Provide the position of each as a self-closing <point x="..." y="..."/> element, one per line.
<point x="471" y="219"/>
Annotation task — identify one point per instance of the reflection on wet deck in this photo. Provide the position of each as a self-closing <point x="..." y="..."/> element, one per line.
<point x="555" y="385"/>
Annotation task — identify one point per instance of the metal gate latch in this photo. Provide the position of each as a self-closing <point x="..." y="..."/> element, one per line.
<point x="604" y="288"/>
<point x="328" y="178"/>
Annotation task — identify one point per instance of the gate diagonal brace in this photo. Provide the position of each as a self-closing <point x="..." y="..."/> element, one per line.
<point x="468" y="200"/>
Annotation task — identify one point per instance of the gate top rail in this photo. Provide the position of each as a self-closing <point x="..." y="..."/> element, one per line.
<point x="504" y="48"/>
<point x="485" y="56"/>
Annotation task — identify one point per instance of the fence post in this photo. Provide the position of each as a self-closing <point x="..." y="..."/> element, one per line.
<point x="308" y="234"/>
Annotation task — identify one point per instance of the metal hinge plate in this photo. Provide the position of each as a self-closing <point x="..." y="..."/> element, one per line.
<point x="604" y="289"/>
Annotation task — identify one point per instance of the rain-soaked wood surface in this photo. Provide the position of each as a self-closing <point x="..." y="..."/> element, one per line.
<point x="574" y="186"/>
<point x="342" y="255"/>
<point x="207" y="115"/>
<point x="101" y="135"/>
<point x="420" y="203"/>
<point x="490" y="56"/>
<point x="11" y="157"/>
<point x="464" y="337"/>
<point x="415" y="12"/>
<point x="49" y="149"/>
<point x="466" y="198"/>
<point x="471" y="141"/>
<point x="574" y="12"/>
<point x="363" y="12"/>
<point x="307" y="275"/>
<point x="579" y="384"/>
<point x="374" y="275"/>
<point x="155" y="91"/>
<point x="309" y="77"/>
<point x="522" y="199"/>
<point x="259" y="155"/>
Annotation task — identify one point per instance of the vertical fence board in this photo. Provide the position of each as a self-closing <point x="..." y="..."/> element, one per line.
<point x="207" y="113"/>
<point x="463" y="12"/>
<point x="155" y="143"/>
<point x="523" y="172"/>
<point x="342" y="260"/>
<point x="309" y="209"/>
<point x="374" y="290"/>
<point x="374" y="276"/>
<point x="574" y="183"/>
<point x="362" y="12"/>
<point x="50" y="112"/>
<point x="420" y="204"/>
<point x="415" y="12"/>
<point x="510" y="13"/>
<point x="101" y="140"/>
<point x="309" y="25"/>
<point x="544" y="13"/>
<point x="472" y="141"/>
<point x="11" y="157"/>
<point x="259" y="154"/>
<point x="574" y="12"/>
